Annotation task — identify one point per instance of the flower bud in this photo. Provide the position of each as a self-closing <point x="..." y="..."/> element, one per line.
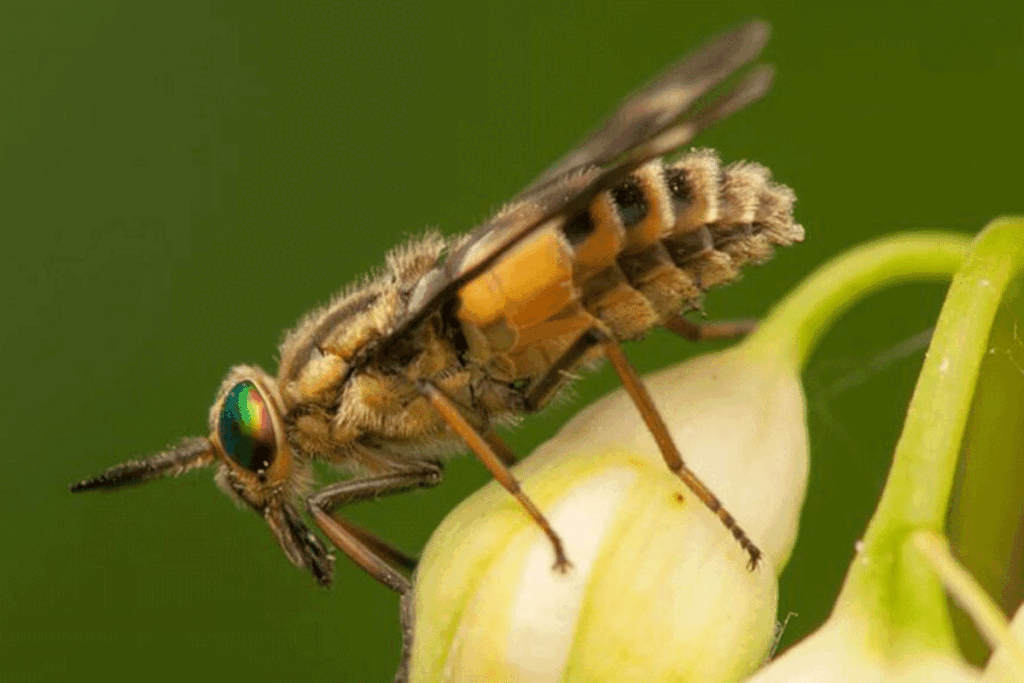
<point x="738" y="418"/>
<point x="658" y="590"/>
<point x="851" y="649"/>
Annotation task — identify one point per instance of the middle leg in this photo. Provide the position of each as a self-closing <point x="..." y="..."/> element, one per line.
<point x="492" y="459"/>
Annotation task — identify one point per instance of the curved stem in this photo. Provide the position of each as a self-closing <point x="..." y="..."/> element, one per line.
<point x="793" y="328"/>
<point x="916" y="496"/>
<point x="919" y="484"/>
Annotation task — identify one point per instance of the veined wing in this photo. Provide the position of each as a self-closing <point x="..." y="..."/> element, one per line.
<point x="657" y="120"/>
<point x="662" y="102"/>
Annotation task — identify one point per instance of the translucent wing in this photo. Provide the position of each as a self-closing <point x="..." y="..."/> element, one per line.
<point x="658" y="119"/>
<point x="659" y="104"/>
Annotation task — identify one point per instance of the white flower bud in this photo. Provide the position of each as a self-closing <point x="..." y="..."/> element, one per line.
<point x="738" y="418"/>
<point x="659" y="589"/>
<point x="848" y="649"/>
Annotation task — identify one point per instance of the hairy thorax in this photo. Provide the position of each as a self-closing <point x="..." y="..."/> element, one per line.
<point x="352" y="412"/>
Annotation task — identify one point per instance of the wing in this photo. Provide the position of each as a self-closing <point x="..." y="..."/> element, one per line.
<point x="662" y="102"/>
<point x="658" y="119"/>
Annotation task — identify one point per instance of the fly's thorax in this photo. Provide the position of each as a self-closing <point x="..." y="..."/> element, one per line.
<point x="250" y="439"/>
<point x="377" y="409"/>
<point x="380" y="419"/>
<point x="317" y="355"/>
<point x="335" y="391"/>
<point x="384" y="398"/>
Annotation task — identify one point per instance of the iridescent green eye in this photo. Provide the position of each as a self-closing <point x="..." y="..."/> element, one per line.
<point x="245" y="428"/>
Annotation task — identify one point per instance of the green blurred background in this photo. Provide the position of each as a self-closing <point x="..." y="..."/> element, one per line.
<point x="179" y="182"/>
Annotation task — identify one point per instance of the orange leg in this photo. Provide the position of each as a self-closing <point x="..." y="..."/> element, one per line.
<point x="695" y="332"/>
<point x="483" y="450"/>
<point x="376" y="557"/>
<point x="501" y="449"/>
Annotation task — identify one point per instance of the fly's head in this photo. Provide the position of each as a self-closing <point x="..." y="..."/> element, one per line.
<point x="255" y="464"/>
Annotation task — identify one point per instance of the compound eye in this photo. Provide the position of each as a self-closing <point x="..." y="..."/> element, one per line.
<point x="245" y="428"/>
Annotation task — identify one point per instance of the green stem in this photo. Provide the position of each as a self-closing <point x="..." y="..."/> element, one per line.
<point x="793" y="328"/>
<point x="888" y="576"/>
<point x="917" y="491"/>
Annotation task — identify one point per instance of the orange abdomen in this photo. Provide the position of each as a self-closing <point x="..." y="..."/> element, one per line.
<point x="642" y="253"/>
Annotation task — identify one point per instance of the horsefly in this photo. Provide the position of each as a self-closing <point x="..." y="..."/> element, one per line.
<point x="457" y="336"/>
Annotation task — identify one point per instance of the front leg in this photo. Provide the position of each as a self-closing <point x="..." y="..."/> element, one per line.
<point x="374" y="556"/>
